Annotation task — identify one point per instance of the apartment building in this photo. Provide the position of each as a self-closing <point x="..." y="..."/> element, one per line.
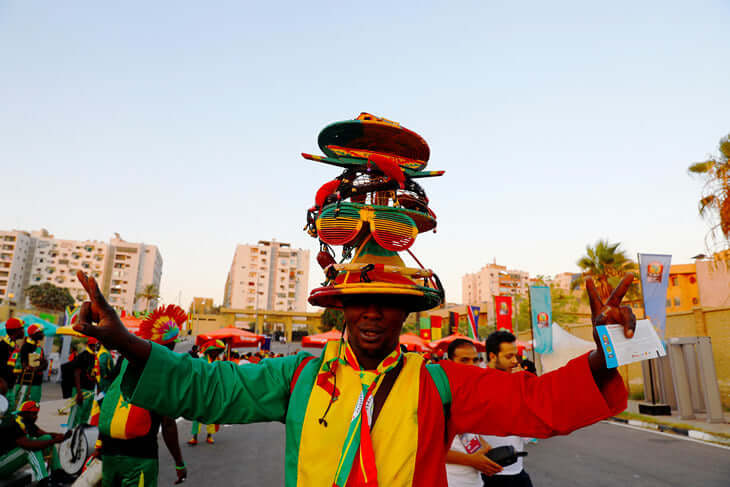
<point x="479" y="288"/>
<point x="16" y="256"/>
<point x="270" y="275"/>
<point x="134" y="267"/>
<point x="122" y="269"/>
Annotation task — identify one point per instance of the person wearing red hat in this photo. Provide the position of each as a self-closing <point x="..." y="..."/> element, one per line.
<point x="330" y="404"/>
<point x="23" y="443"/>
<point x="211" y="351"/>
<point x="34" y="364"/>
<point x="128" y="433"/>
<point x="9" y="357"/>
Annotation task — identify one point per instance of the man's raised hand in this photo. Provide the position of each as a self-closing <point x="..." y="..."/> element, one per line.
<point x="110" y="330"/>
<point x="97" y="310"/>
<point x="610" y="312"/>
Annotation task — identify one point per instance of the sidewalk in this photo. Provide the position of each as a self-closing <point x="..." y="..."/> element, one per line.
<point x="697" y="428"/>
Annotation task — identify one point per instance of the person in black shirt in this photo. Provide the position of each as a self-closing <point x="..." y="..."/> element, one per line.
<point x="84" y="384"/>
<point x="9" y="355"/>
<point x="23" y="443"/>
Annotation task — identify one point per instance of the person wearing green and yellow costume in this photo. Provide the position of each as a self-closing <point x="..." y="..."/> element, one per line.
<point x="128" y="433"/>
<point x="83" y="367"/>
<point x="23" y="443"/>
<point x="211" y="351"/>
<point x="363" y="414"/>
<point x="33" y="365"/>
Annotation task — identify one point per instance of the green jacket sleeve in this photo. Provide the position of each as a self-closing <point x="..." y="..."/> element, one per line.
<point x="176" y="385"/>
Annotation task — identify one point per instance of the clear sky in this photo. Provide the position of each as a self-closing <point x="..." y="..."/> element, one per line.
<point x="181" y="123"/>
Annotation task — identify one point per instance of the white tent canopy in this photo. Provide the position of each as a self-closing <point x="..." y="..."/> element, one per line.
<point x="565" y="348"/>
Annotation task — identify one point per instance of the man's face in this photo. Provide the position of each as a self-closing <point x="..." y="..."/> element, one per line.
<point x="506" y="359"/>
<point x="214" y="353"/>
<point x="373" y="325"/>
<point x="467" y="355"/>
<point x="37" y="336"/>
<point x="29" y="417"/>
<point x="15" y="333"/>
<point x="94" y="347"/>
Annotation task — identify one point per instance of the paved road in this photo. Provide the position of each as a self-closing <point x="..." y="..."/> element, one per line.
<point x="602" y="455"/>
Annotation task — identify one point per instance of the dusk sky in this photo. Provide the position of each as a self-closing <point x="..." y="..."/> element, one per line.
<point x="181" y="123"/>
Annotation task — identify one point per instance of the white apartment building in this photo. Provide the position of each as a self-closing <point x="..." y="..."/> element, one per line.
<point x="57" y="261"/>
<point x="122" y="269"/>
<point x="134" y="267"/>
<point x="479" y="288"/>
<point x="16" y="256"/>
<point x="269" y="275"/>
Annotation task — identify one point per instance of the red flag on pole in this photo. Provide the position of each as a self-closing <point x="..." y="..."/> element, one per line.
<point x="503" y="312"/>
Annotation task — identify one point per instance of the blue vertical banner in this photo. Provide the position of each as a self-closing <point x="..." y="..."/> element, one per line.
<point x="654" y="272"/>
<point x="542" y="318"/>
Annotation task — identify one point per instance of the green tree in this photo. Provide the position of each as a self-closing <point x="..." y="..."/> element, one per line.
<point x="332" y="318"/>
<point x="149" y="294"/>
<point x="606" y="263"/>
<point x="49" y="297"/>
<point x="714" y="205"/>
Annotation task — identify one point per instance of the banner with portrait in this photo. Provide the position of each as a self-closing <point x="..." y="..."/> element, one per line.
<point x="542" y="318"/>
<point x="654" y="273"/>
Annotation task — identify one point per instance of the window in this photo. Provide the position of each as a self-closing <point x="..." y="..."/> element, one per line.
<point x="692" y="279"/>
<point x="669" y="303"/>
<point x="675" y="281"/>
<point x="676" y="301"/>
<point x="695" y="301"/>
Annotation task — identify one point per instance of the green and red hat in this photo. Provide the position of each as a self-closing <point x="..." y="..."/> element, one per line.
<point x="213" y="345"/>
<point x="35" y="328"/>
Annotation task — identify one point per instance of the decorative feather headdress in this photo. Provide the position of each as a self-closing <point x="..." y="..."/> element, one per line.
<point x="163" y="324"/>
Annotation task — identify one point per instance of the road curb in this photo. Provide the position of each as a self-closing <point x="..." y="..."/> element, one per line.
<point x="694" y="434"/>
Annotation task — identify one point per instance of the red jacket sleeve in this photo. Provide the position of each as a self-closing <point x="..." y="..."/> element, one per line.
<point x="493" y="402"/>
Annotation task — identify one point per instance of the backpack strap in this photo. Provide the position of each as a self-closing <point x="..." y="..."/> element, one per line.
<point x="300" y="367"/>
<point x="441" y="381"/>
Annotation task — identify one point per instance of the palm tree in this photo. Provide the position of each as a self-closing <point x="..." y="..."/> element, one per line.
<point x="715" y="201"/>
<point x="149" y="294"/>
<point x="606" y="263"/>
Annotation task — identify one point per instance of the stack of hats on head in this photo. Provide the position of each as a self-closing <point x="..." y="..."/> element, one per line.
<point x="374" y="210"/>
<point x="213" y="345"/>
<point x="29" y="407"/>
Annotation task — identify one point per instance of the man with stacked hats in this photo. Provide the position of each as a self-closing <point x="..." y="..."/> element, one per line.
<point x="211" y="351"/>
<point x="363" y="413"/>
<point x="127" y="432"/>
<point x="23" y="443"/>
<point x="33" y="364"/>
<point x="10" y="357"/>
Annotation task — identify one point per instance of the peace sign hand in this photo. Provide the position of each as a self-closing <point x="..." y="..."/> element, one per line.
<point x="110" y="330"/>
<point x="610" y="312"/>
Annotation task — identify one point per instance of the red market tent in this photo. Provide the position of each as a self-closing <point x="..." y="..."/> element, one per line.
<point x="443" y="344"/>
<point x="414" y="343"/>
<point x="234" y="337"/>
<point x="321" y="339"/>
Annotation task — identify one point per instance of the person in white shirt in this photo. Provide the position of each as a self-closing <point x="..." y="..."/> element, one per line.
<point x="502" y="355"/>
<point x="466" y="459"/>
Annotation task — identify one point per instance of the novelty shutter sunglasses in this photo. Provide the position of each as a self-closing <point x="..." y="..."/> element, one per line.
<point x="345" y="225"/>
